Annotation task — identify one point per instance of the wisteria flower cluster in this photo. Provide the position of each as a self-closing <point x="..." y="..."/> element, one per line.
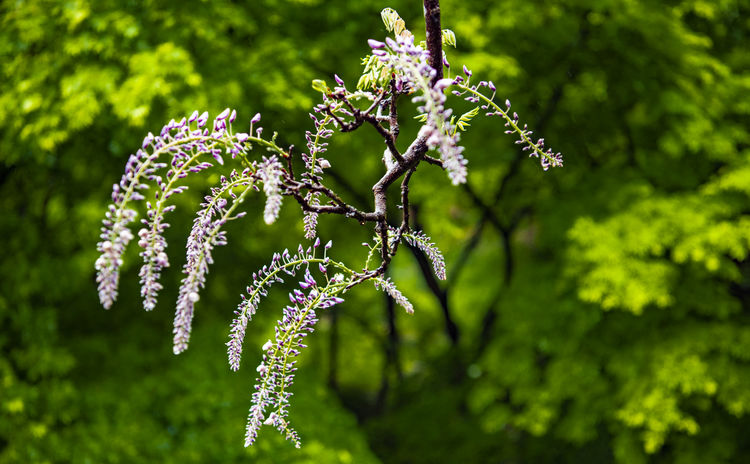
<point x="281" y="263"/>
<point x="206" y="234"/>
<point x="276" y="370"/>
<point x="192" y="146"/>
<point x="387" y="285"/>
<point x="409" y="63"/>
<point x="314" y="163"/>
<point x="474" y="93"/>
<point x="419" y="240"/>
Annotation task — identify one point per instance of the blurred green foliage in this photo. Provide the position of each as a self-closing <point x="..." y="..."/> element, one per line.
<point x="602" y="310"/>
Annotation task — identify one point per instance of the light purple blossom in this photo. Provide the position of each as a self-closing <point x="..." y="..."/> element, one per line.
<point x="186" y="144"/>
<point x="115" y="234"/>
<point x="413" y="73"/>
<point x="316" y="145"/>
<point x="188" y="150"/>
<point x="311" y="218"/>
<point x="270" y="172"/>
<point x="473" y="93"/>
<point x="115" y="237"/>
<point x="423" y="242"/>
<point x="281" y="263"/>
<point x="270" y="400"/>
<point x="204" y="236"/>
<point x="390" y="288"/>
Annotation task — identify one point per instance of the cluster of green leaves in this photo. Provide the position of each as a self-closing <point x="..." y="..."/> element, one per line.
<point x="602" y="315"/>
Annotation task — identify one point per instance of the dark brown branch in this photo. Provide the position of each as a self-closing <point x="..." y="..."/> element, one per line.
<point x="405" y="166"/>
<point x="376" y="103"/>
<point x="393" y="113"/>
<point x="405" y="201"/>
<point x="434" y="37"/>
<point x="390" y="140"/>
<point x="342" y="209"/>
<point x="289" y="167"/>
<point x="345" y="126"/>
<point x="366" y="116"/>
<point x="434" y="161"/>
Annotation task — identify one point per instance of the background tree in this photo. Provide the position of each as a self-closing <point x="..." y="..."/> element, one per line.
<point x="592" y="315"/>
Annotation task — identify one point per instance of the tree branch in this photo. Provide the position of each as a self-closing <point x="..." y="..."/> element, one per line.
<point x="434" y="37"/>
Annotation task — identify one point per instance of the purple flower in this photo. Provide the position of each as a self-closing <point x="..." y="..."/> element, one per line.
<point x="390" y="288"/>
<point x="202" y="119"/>
<point x="204" y="236"/>
<point x="281" y="263"/>
<point x="187" y="146"/>
<point x="536" y="149"/>
<point x="311" y="218"/>
<point x="409" y="63"/>
<point x="186" y="153"/>
<point x="375" y="45"/>
<point x="443" y="84"/>
<point x="270" y="172"/>
<point x="316" y="145"/>
<point x="115" y="237"/>
<point x="115" y="234"/>
<point x="276" y="371"/>
<point x="420" y="240"/>
<point x="223" y="114"/>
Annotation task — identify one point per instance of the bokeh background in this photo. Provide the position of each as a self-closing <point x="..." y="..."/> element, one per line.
<point x="592" y="314"/>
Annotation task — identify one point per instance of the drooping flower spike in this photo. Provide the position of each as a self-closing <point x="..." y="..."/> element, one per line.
<point x="474" y="93"/>
<point x="270" y="401"/>
<point x="206" y="234"/>
<point x="182" y="148"/>
<point x="281" y="264"/>
<point x="410" y="66"/>
<point x="419" y="240"/>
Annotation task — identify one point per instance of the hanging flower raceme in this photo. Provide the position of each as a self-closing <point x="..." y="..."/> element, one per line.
<point x="316" y="142"/>
<point x="216" y="210"/>
<point x="158" y="170"/>
<point x="389" y="287"/>
<point x="281" y="264"/>
<point x="476" y="93"/>
<point x="182" y="148"/>
<point x="276" y="371"/>
<point x="270" y="172"/>
<point x="419" y="240"/>
<point x="315" y="163"/>
<point x="409" y="63"/>
<point x="310" y="219"/>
